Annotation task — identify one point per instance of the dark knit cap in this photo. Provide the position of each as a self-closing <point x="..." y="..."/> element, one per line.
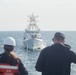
<point x="59" y="36"/>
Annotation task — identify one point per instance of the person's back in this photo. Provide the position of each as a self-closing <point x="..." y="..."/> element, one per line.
<point x="9" y="61"/>
<point x="8" y="65"/>
<point x="55" y="60"/>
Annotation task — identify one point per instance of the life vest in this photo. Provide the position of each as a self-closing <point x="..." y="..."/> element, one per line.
<point x="6" y="69"/>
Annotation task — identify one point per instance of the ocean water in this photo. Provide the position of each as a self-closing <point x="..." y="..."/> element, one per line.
<point x="29" y="58"/>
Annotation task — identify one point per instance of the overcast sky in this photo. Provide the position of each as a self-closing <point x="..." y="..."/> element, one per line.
<point x="57" y="15"/>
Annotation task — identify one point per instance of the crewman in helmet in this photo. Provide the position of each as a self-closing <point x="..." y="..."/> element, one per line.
<point x="10" y="64"/>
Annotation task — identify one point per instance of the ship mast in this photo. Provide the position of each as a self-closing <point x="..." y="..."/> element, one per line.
<point x="32" y="25"/>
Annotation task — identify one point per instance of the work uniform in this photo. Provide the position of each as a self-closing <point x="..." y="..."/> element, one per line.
<point x="11" y="64"/>
<point x="55" y="60"/>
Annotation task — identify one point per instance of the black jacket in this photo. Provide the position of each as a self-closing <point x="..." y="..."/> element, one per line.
<point x="8" y="59"/>
<point x="55" y="60"/>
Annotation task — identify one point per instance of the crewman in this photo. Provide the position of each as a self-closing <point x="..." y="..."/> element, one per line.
<point x="10" y="64"/>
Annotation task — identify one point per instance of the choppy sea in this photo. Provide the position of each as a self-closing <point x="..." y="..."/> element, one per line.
<point x="29" y="58"/>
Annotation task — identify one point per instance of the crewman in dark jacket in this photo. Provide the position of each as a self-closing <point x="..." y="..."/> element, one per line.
<point x="10" y="64"/>
<point x="57" y="58"/>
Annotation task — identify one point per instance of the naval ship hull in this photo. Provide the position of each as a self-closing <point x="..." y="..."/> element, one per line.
<point x="33" y="44"/>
